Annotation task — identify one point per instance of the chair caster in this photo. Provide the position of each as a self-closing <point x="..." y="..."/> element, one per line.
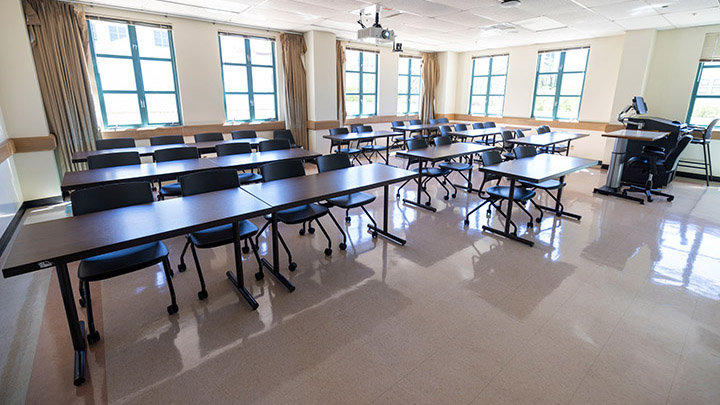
<point x="202" y="294"/>
<point x="397" y="196"/>
<point x="447" y="197"/>
<point x="311" y="230"/>
<point x="488" y="213"/>
<point x="530" y="225"/>
<point x="466" y="222"/>
<point x="245" y="249"/>
<point x="171" y="310"/>
<point x="81" y="301"/>
<point x="374" y="235"/>
<point x="292" y="266"/>
<point x="301" y="232"/>
<point x="454" y="195"/>
<point x="328" y="252"/>
<point x="342" y="246"/>
<point x="538" y="220"/>
<point x="347" y="220"/>
<point x="650" y="199"/>
<point x="670" y="198"/>
<point x="182" y="267"/>
<point x="95" y="336"/>
<point x="259" y="275"/>
<point x="427" y="204"/>
<point x="424" y="188"/>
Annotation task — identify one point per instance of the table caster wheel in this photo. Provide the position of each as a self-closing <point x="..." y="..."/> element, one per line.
<point x="259" y="275"/>
<point x="311" y="230"/>
<point x="301" y="232"/>
<point x="328" y="252"/>
<point x="171" y="309"/>
<point x="202" y="294"/>
<point x="81" y="301"/>
<point x="182" y="267"/>
<point x="342" y="246"/>
<point x="95" y="336"/>
<point x="292" y="266"/>
<point x="245" y="249"/>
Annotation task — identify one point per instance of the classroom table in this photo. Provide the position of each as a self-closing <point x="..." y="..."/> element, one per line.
<point x="535" y="169"/>
<point x="256" y="159"/>
<point x="409" y="129"/>
<point x="365" y="136"/>
<point x="617" y="161"/>
<point x="549" y="140"/>
<point x="428" y="155"/>
<point x="58" y="242"/>
<point x="482" y="133"/>
<point x="209" y="147"/>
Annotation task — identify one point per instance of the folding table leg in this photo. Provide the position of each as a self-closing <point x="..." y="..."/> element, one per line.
<point x="386" y="215"/>
<point x="274" y="267"/>
<point x="77" y="328"/>
<point x="237" y="277"/>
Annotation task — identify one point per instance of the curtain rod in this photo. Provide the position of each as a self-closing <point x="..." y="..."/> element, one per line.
<point x="491" y="56"/>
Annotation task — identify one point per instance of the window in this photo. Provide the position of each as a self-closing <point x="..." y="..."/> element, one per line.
<point x="409" y="82"/>
<point x="559" y="84"/>
<point x="705" y="102"/>
<point x="248" y="71"/>
<point x="487" y="91"/>
<point x="360" y="83"/>
<point x="135" y="74"/>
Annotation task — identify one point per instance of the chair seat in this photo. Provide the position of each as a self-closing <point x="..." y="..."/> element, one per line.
<point x="375" y="148"/>
<point x="641" y="161"/>
<point x="121" y="261"/>
<point x="221" y="235"/>
<point x="551" y="184"/>
<point x="433" y="171"/>
<point x="349" y="151"/>
<point x="509" y="155"/>
<point x="352" y="200"/>
<point x="399" y="138"/>
<point x="458" y="166"/>
<point x="245" y="178"/>
<point x="301" y="214"/>
<point x="503" y="192"/>
<point x="172" y="189"/>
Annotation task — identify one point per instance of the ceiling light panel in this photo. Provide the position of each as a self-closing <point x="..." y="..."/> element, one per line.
<point x="540" y="24"/>
<point x="420" y="7"/>
<point x="626" y="10"/>
<point x="466" y="19"/>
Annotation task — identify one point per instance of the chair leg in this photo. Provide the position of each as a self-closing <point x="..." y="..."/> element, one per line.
<point x="502" y="213"/>
<point x="259" y="275"/>
<point x="257" y="235"/>
<point x="342" y="245"/>
<point x="81" y="301"/>
<point x="447" y="192"/>
<point x="202" y="294"/>
<point x="472" y="211"/>
<point x="173" y="308"/>
<point x="94" y="335"/>
<point x="709" y="155"/>
<point x="522" y="207"/>
<point x="182" y="267"/>
<point x="540" y="218"/>
<point x="328" y="250"/>
<point x="397" y="195"/>
<point x="447" y="180"/>
<point x="705" y="158"/>
<point x="347" y="216"/>
<point x="292" y="266"/>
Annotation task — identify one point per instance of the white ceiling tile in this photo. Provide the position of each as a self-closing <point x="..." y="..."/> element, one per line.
<point x="601" y="29"/>
<point x="625" y="10"/>
<point x="694" y="18"/>
<point x="653" y="21"/>
<point x="549" y="7"/>
<point x="463" y="4"/>
<point x="676" y="6"/>
<point x="420" y="7"/>
<point x="466" y="19"/>
<point x="343" y="5"/>
<point x="290" y="6"/>
<point x="495" y="12"/>
<point x="595" y="3"/>
<point x="541" y="23"/>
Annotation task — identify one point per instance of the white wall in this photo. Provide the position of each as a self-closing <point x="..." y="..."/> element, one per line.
<point x="445" y="96"/>
<point x="10" y="192"/>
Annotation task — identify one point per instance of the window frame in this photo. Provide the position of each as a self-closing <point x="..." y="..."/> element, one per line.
<point x="558" y="86"/>
<point x="361" y="93"/>
<point x="136" y="59"/>
<point x="248" y="65"/>
<point x="487" y="93"/>
<point x="696" y="86"/>
<point x="409" y="76"/>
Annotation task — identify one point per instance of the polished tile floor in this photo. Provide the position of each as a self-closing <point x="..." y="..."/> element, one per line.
<point x="622" y="307"/>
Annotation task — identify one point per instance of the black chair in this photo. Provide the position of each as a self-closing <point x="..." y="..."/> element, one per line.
<point x="478" y="125"/>
<point x="453" y="166"/>
<point x="658" y="167"/>
<point x="121" y="261"/>
<point x="460" y="127"/>
<point x="238" y="148"/>
<point x="285" y="134"/>
<point x="369" y="146"/>
<point x="274" y="144"/>
<point x="415" y="122"/>
<point x="170" y="154"/>
<point x="298" y="215"/>
<point x="347" y="202"/>
<point x="205" y="182"/>
<point x="445" y="130"/>
<point x="343" y="147"/>
<point x="507" y="147"/>
<point x="113" y="160"/>
<point x="434" y="121"/>
<point x="543" y="129"/>
<point x="489" y="160"/>
<point x="704" y="141"/>
<point x="209" y="137"/>
<point x="114" y="143"/>
<point x="519" y="133"/>
<point x="244" y="134"/>
<point x="428" y="173"/>
<point x="496" y="194"/>
<point x="443" y="120"/>
<point x="489" y="124"/>
<point x="166" y="140"/>
<point x="398" y="141"/>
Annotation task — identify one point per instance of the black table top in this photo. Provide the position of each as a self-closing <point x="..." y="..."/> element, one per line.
<point x="42" y="244"/>
<point x="209" y="147"/>
<point x="78" y="157"/>
<point x="419" y="127"/>
<point x="435" y="153"/>
<point x="540" y="168"/>
<point x="359" y="136"/>
<point x="474" y="133"/>
<point x="286" y="193"/>
<point x="255" y="159"/>
<point x="143" y="171"/>
<point x="547" y="139"/>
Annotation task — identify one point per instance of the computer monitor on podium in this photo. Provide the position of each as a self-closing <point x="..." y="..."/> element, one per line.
<point x="639" y="105"/>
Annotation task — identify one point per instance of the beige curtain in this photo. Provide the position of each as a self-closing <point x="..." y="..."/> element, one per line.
<point x="296" y="108"/>
<point x="340" y="80"/>
<point x="430" y="79"/>
<point x="59" y="41"/>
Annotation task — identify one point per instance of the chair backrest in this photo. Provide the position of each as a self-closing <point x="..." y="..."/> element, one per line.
<point x="284" y="134"/>
<point x="543" y="129"/>
<point x="209" y="137"/>
<point x="434" y="121"/>
<point x="185" y="152"/>
<point x="478" y="125"/>
<point x="415" y="122"/>
<point x="416" y="143"/>
<point x="113" y="159"/>
<point x="353" y="127"/>
<point x="232" y="148"/>
<point x="671" y="160"/>
<point x="444" y="120"/>
<point x="110" y="196"/>
<point x="333" y="162"/>
<point x="506" y="136"/>
<point x="339" y="131"/>
<point x="207" y="181"/>
<point x="524" y="151"/>
<point x="708" y="130"/>
<point x="489" y="124"/>
<point x="114" y="143"/>
<point x="460" y="127"/>
<point x="282" y="170"/>
<point x="244" y="134"/>
<point x="274" y="144"/>
<point x="398" y="123"/>
<point x="362" y="128"/>
<point x="166" y="140"/>
<point x="443" y="140"/>
<point x="446" y="129"/>
<point x="491" y="157"/>
<point x="519" y="133"/>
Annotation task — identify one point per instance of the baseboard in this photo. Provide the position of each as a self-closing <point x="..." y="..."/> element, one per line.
<point x="687" y="175"/>
<point x="42" y="202"/>
<point x="15" y="222"/>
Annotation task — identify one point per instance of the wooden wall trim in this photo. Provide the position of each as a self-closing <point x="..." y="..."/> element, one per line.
<point x="34" y="144"/>
<point x="531" y="122"/>
<point x="7" y="148"/>
<point x="378" y="119"/>
<point x="190" y="130"/>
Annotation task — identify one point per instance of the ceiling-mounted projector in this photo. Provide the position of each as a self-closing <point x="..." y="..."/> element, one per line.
<point x="509" y="3"/>
<point x="375" y="34"/>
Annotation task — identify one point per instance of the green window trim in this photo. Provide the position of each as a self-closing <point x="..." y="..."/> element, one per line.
<point x="361" y="93"/>
<point x="486" y="93"/>
<point x="558" y="85"/>
<point x="137" y="69"/>
<point x="408" y="76"/>
<point x="702" y="66"/>
<point x="248" y="65"/>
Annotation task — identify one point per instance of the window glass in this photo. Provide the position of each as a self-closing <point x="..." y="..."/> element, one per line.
<point x="489" y="77"/>
<point x="409" y="85"/>
<point x="360" y="82"/>
<point x="559" y="84"/>
<point x="705" y="102"/>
